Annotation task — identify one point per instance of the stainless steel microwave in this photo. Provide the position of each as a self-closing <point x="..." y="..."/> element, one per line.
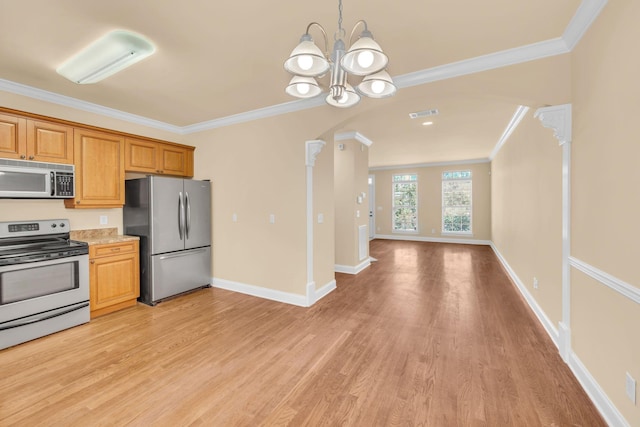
<point x="36" y="180"/>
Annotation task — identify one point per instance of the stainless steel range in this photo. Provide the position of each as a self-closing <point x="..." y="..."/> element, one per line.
<point x="44" y="280"/>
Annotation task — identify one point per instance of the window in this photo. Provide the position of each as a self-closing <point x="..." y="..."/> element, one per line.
<point x="405" y="202"/>
<point x="456" y="202"/>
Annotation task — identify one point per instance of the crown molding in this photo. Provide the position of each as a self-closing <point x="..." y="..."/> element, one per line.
<point x="521" y="111"/>
<point x="429" y="165"/>
<point x="585" y="15"/>
<point x="260" y="113"/>
<point x="67" y="101"/>
<point x="587" y="12"/>
<point x="344" y="136"/>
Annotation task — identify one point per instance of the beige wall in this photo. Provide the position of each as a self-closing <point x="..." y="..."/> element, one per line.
<point x="350" y="180"/>
<point x="527" y="211"/>
<point x="606" y="105"/>
<point x="258" y="169"/>
<point x="430" y="201"/>
<point x="324" y="203"/>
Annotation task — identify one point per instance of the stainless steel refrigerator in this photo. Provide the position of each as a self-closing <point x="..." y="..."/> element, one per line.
<point x="172" y="216"/>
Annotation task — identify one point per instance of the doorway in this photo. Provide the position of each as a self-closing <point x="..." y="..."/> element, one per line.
<point x="372" y="207"/>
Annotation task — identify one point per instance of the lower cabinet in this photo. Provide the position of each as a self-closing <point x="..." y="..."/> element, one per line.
<point x="114" y="276"/>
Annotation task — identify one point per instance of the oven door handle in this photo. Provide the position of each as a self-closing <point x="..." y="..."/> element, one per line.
<point x="28" y="321"/>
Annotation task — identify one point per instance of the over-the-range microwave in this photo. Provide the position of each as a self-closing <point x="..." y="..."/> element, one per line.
<point x="36" y="180"/>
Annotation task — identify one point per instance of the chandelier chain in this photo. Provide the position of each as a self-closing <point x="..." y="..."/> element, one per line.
<point x="340" y="33"/>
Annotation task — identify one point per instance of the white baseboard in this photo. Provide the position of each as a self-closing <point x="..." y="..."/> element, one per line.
<point x="607" y="409"/>
<point x="352" y="269"/>
<point x="325" y="290"/>
<point x="313" y="294"/>
<point x="540" y="314"/>
<point x="414" y="238"/>
<point x="257" y="291"/>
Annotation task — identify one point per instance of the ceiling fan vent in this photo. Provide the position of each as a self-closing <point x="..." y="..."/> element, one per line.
<point x="424" y="113"/>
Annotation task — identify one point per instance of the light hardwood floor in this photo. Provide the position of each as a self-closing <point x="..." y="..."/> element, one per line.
<point x="429" y="335"/>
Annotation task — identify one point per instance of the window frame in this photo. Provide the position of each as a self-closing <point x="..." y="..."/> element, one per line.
<point x="468" y="178"/>
<point x="393" y="202"/>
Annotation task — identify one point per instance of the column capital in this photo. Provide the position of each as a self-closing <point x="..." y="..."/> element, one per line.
<point x="312" y="149"/>
<point x="558" y="118"/>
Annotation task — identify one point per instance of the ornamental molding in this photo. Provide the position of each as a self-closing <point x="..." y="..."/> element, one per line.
<point x="558" y="118"/>
<point x="312" y="150"/>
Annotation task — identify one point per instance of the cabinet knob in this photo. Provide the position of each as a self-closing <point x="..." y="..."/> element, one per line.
<point x="77" y="202"/>
<point x="93" y="261"/>
<point x="31" y="157"/>
<point x="23" y="156"/>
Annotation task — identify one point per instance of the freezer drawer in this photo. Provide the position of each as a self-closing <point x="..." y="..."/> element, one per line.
<point x="177" y="272"/>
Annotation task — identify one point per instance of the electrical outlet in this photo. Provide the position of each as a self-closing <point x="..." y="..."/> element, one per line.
<point x="535" y="283"/>
<point x="272" y="218"/>
<point x="234" y="217"/>
<point x="630" y="387"/>
<point x="433" y="231"/>
<point x="104" y="220"/>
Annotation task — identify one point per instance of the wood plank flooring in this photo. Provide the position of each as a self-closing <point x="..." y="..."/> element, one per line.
<point x="429" y="335"/>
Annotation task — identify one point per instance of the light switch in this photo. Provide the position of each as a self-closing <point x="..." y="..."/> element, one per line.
<point x="104" y="220"/>
<point x="320" y="218"/>
<point x="272" y="219"/>
<point x="234" y="217"/>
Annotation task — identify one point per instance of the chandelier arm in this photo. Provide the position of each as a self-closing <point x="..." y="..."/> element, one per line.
<point x="324" y="34"/>
<point x="353" y="31"/>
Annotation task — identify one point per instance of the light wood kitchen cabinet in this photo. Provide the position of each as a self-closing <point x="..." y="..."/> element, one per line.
<point x="37" y="140"/>
<point x="99" y="161"/>
<point x="158" y="158"/>
<point x="114" y="276"/>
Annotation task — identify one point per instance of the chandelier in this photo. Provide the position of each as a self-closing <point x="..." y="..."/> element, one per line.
<point x="364" y="58"/>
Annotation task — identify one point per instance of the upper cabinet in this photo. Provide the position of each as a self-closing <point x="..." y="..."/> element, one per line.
<point x="38" y="140"/>
<point x="99" y="160"/>
<point x="158" y="158"/>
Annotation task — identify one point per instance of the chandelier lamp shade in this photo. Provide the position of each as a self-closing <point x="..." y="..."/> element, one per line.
<point x="364" y="58"/>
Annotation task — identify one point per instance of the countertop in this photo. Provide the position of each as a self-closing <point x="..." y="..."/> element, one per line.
<point x="100" y="236"/>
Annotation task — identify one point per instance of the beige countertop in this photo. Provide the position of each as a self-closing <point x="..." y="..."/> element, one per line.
<point x="99" y="236"/>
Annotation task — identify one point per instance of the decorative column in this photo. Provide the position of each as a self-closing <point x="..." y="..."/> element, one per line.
<point x="558" y="118"/>
<point x="312" y="149"/>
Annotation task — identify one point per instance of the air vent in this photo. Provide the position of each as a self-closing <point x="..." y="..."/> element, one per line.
<point x="424" y="113"/>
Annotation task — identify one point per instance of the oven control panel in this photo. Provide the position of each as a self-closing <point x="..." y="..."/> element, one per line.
<point x="33" y="228"/>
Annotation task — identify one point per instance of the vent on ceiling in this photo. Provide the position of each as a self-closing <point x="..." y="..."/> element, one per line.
<point x="424" y="113"/>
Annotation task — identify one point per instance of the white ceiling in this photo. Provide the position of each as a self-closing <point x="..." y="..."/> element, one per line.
<point x="217" y="61"/>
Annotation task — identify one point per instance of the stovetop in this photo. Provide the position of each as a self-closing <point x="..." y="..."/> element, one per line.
<point x="31" y="241"/>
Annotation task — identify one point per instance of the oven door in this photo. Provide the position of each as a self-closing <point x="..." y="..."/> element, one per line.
<point x="40" y="298"/>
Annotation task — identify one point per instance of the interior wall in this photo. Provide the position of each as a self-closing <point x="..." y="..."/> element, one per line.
<point x="12" y="210"/>
<point x="430" y="201"/>
<point x="257" y="170"/>
<point x="324" y="204"/>
<point x="605" y="202"/>
<point x="527" y="211"/>
<point x="350" y="181"/>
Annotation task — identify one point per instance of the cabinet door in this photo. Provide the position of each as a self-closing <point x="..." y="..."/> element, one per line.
<point x="113" y="280"/>
<point x="141" y="156"/>
<point x="13" y="137"/>
<point x="173" y="160"/>
<point x="49" y="142"/>
<point x="99" y="161"/>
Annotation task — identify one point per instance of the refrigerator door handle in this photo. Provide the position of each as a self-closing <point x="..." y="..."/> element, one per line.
<point x="188" y="203"/>
<point x="180" y="215"/>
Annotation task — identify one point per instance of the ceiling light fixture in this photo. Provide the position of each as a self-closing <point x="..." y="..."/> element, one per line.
<point x="364" y="58"/>
<point x="109" y="54"/>
<point x="427" y="123"/>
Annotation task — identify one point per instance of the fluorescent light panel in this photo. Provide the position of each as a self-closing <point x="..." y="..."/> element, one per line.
<point x="106" y="56"/>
